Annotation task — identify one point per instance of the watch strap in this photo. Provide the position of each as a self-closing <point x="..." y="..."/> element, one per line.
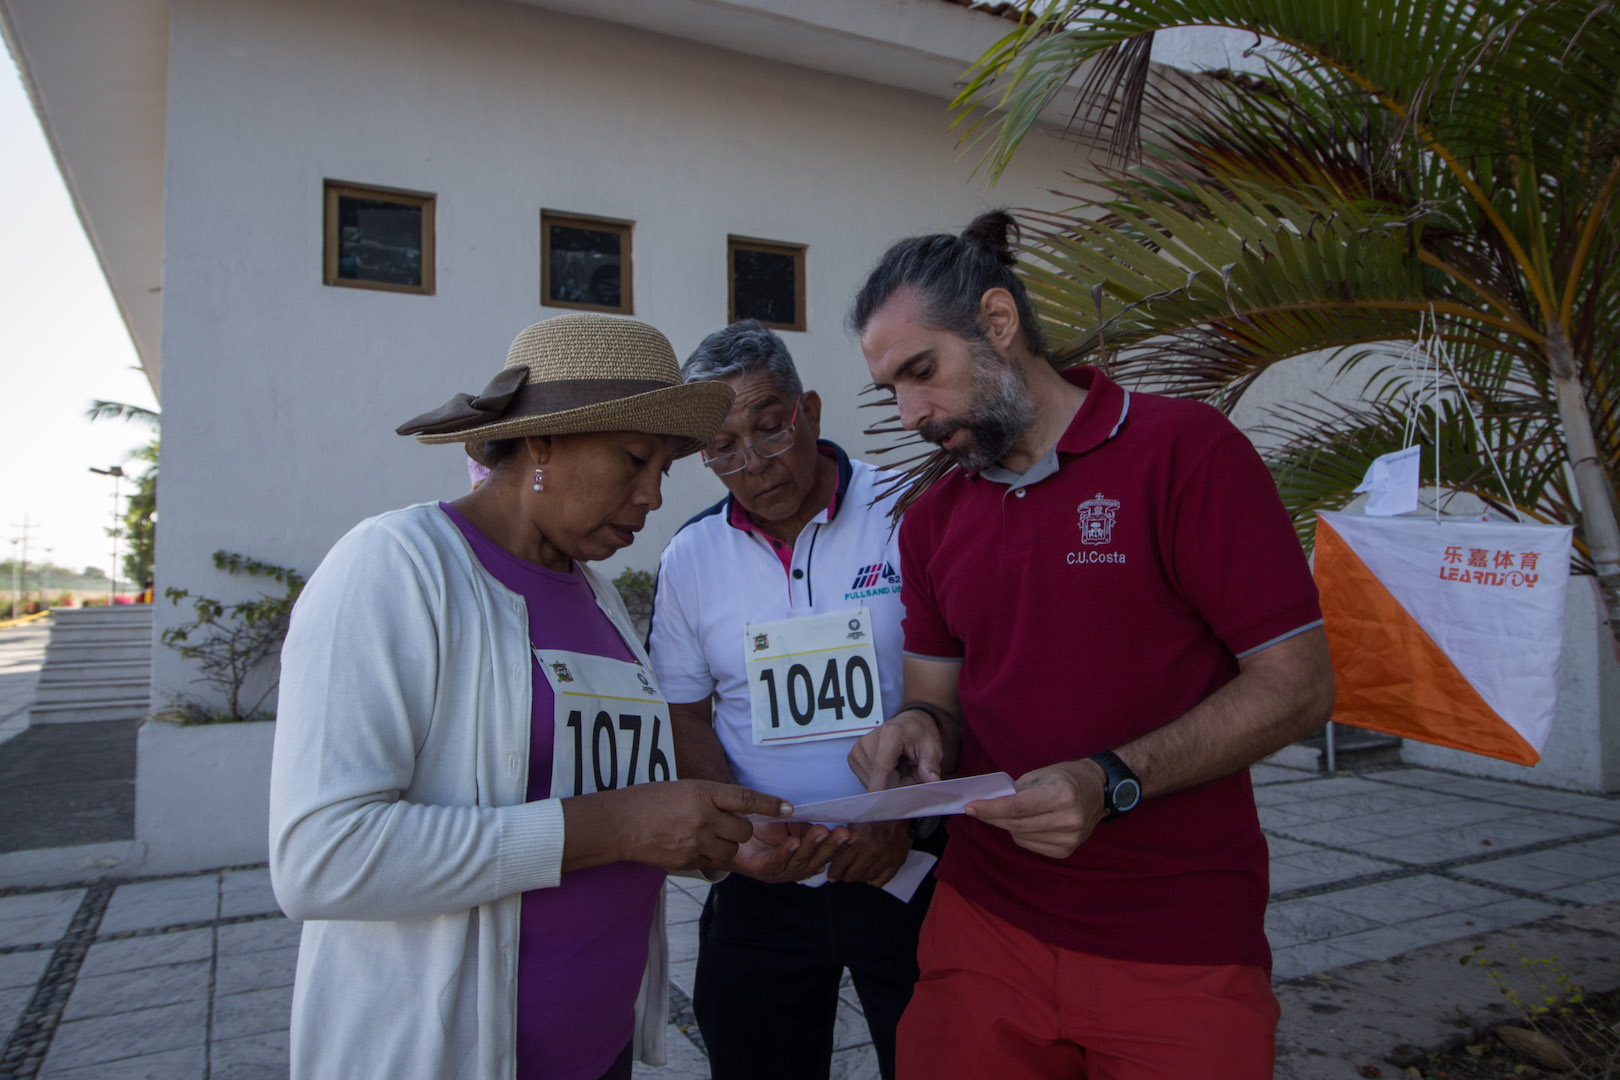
<point x="1118" y="780"/>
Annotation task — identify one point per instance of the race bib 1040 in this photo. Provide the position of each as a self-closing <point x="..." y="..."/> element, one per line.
<point x="610" y="727"/>
<point x="813" y="677"/>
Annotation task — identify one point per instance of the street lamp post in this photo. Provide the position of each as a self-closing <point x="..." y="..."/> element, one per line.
<point x="117" y="473"/>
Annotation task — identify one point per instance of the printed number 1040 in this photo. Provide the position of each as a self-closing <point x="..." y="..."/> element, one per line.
<point x="847" y="685"/>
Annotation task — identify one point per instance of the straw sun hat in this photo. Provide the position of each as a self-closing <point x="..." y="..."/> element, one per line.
<point x="582" y="373"/>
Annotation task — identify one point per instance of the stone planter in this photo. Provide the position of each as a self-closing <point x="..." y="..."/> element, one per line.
<point x="202" y="795"/>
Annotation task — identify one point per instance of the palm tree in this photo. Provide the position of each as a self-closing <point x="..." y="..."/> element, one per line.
<point x="1439" y="168"/>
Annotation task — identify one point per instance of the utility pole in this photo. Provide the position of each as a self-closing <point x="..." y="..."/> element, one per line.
<point x="117" y="473"/>
<point x="19" y="574"/>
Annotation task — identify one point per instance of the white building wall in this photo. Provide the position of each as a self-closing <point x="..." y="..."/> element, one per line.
<point x="280" y="394"/>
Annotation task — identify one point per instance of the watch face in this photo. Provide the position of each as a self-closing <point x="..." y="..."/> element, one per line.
<point x="1127" y="793"/>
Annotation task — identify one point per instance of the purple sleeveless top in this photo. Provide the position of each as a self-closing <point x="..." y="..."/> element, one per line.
<point x="582" y="946"/>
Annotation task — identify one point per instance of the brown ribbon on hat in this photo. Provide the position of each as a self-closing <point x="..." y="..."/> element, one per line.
<point x="507" y="397"/>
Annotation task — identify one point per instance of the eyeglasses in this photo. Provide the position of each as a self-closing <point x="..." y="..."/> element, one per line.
<point x="775" y="444"/>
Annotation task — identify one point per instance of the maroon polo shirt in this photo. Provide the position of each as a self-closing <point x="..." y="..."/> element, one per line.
<point x="1096" y="603"/>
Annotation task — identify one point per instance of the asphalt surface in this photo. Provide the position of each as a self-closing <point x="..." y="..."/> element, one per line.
<point x="62" y="785"/>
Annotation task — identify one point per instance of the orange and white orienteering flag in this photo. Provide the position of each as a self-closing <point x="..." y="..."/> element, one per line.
<point x="1446" y="632"/>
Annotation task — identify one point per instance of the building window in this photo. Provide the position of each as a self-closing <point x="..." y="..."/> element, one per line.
<point x="378" y="238"/>
<point x="767" y="282"/>
<point x="585" y="263"/>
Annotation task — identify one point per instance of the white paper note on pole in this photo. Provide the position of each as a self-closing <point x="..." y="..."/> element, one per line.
<point x="918" y="800"/>
<point x="1393" y="481"/>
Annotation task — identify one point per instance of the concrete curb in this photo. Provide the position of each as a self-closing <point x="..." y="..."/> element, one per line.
<point x="87" y="862"/>
<point x="1391" y="1013"/>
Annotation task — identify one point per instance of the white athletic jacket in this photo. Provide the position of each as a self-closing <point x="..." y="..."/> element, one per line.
<point x="398" y="827"/>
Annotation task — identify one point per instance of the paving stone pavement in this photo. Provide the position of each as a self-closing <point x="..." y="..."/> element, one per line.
<point x="191" y="976"/>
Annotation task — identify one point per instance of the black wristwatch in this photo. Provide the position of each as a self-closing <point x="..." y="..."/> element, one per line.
<point x="1122" y="789"/>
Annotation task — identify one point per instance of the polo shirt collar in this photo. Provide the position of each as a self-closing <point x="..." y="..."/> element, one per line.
<point x="738" y="518"/>
<point x="1098" y="419"/>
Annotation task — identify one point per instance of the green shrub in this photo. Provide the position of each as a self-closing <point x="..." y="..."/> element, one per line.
<point x="231" y="641"/>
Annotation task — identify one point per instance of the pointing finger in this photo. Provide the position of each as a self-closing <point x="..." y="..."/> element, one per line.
<point x="741" y="800"/>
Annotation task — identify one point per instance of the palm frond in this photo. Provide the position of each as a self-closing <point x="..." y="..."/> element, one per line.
<point x="1387" y="47"/>
<point x="118" y="410"/>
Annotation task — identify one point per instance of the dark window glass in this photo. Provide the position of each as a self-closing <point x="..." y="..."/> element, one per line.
<point x="763" y="286"/>
<point x="585" y="266"/>
<point x="379" y="241"/>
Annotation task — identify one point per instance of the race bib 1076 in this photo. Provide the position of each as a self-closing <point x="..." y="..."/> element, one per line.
<point x="813" y="677"/>
<point x="610" y="726"/>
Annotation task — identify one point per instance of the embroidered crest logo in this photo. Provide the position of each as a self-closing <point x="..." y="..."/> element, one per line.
<point x="762" y="642"/>
<point x="561" y="671"/>
<point x="1097" y="520"/>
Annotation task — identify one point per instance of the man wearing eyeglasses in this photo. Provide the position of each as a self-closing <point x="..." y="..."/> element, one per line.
<point x="776" y="638"/>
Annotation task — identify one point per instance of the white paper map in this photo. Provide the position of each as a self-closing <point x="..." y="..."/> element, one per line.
<point x="918" y="800"/>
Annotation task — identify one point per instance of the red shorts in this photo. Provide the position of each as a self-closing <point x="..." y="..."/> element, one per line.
<point x="994" y="1001"/>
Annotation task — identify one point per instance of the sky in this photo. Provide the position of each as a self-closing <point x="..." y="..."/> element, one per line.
<point x="62" y="344"/>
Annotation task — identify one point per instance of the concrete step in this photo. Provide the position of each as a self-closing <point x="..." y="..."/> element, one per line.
<point x="92" y="692"/>
<point x="69" y="713"/>
<point x="98" y="666"/>
<point x="102" y="628"/>
<point x="98" y="652"/>
<point x="67" y="671"/>
<point x="102" y="612"/>
<point x="97" y="631"/>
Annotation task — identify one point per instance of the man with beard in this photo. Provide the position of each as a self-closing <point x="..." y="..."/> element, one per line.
<point x="776" y="639"/>
<point x="1106" y="600"/>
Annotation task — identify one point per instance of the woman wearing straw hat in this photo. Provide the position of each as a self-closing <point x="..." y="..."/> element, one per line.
<point x="464" y="798"/>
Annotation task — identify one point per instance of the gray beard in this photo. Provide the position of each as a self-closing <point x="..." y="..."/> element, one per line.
<point x="1002" y="410"/>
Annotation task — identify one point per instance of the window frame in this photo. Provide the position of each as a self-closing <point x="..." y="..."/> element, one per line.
<point x="770" y="247"/>
<point x="426" y="201"/>
<point x="626" y="232"/>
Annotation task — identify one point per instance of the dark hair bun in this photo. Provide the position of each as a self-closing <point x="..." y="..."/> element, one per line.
<point x="995" y="232"/>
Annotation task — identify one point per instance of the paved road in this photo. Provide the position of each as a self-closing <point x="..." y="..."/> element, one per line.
<point x="190" y="976"/>
<point x="61" y="785"/>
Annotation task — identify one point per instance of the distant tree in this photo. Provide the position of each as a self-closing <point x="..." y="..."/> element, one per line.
<point x="140" y="528"/>
<point x="139" y="524"/>
<point x="94" y="572"/>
